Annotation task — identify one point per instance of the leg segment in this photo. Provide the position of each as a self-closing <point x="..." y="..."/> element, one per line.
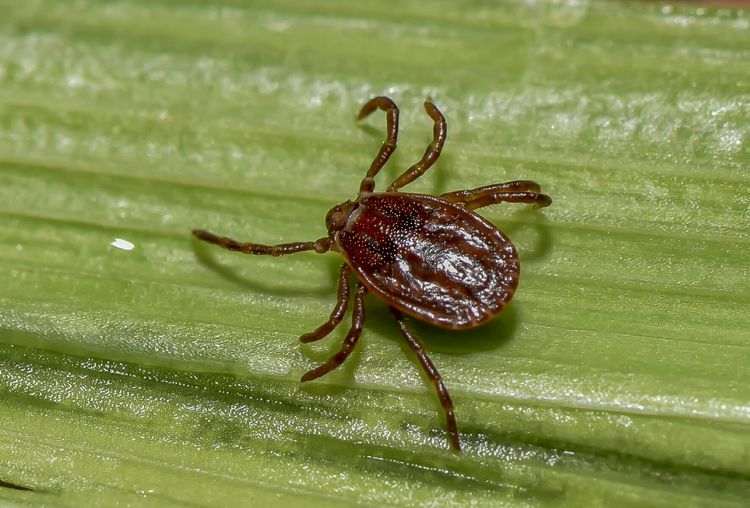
<point x="535" y="198"/>
<point x="320" y="246"/>
<point x="431" y="154"/>
<point x="463" y="196"/>
<point x="389" y="145"/>
<point x="519" y="191"/>
<point x="338" y="311"/>
<point x="358" y="320"/>
<point x="433" y="375"/>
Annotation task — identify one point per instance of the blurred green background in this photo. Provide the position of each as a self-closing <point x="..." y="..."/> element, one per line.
<point x="168" y="374"/>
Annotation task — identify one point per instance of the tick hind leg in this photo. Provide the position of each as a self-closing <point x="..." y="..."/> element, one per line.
<point x="433" y="375"/>
<point x="389" y="145"/>
<point x="320" y="246"/>
<point x="338" y="311"/>
<point x="358" y="320"/>
<point x="431" y="154"/>
<point x="518" y="191"/>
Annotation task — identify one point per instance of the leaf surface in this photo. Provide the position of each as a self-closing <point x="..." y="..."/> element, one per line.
<point x="168" y="374"/>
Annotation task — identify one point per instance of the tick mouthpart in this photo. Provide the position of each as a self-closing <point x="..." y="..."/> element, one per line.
<point x="336" y="217"/>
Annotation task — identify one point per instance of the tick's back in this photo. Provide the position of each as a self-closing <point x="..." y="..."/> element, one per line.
<point x="434" y="260"/>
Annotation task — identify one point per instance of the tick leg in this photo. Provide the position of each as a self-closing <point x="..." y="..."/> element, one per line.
<point x="320" y="246"/>
<point x="338" y="311"/>
<point x="431" y="154"/>
<point x="537" y="199"/>
<point x="519" y="191"/>
<point x="389" y="145"/>
<point x="433" y="375"/>
<point x="464" y="196"/>
<point x="358" y="320"/>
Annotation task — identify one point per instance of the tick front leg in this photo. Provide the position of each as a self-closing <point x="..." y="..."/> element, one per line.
<point x="519" y="191"/>
<point x="389" y="145"/>
<point x="338" y="311"/>
<point x="431" y="154"/>
<point x="358" y="320"/>
<point x="433" y="375"/>
<point x="320" y="246"/>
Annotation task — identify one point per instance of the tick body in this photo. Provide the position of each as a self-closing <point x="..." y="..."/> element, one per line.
<point x="429" y="257"/>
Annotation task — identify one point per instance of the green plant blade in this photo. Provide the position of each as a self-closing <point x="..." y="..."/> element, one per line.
<point x="168" y="374"/>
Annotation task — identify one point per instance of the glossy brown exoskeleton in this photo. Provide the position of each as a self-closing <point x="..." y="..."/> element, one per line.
<point x="428" y="257"/>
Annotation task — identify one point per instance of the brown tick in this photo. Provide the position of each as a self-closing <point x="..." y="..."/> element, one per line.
<point x="428" y="257"/>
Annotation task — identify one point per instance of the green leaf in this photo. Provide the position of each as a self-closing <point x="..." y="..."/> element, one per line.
<point x="168" y="374"/>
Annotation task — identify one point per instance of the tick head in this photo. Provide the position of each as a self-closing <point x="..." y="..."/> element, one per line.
<point x="336" y="218"/>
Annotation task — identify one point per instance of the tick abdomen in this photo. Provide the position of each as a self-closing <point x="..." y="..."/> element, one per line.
<point x="434" y="260"/>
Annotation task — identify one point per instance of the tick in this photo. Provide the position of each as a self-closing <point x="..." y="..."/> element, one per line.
<point x="429" y="257"/>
